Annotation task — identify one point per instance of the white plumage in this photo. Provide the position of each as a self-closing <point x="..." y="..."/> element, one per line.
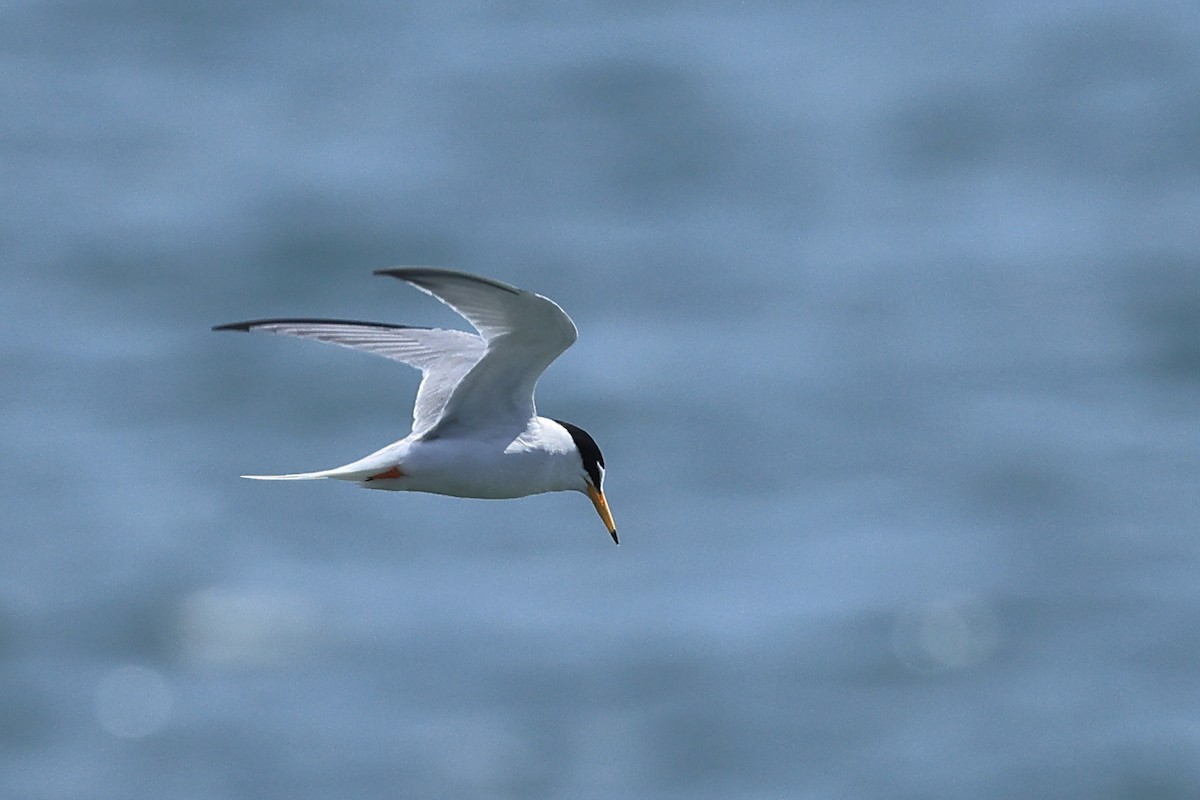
<point x="475" y="432"/>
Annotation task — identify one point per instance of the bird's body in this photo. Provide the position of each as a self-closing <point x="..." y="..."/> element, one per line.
<point x="476" y="432"/>
<point x="538" y="459"/>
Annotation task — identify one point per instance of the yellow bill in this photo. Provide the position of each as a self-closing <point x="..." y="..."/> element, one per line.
<point x="602" y="509"/>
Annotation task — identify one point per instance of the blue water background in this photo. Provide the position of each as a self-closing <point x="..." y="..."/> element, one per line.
<point x="890" y="333"/>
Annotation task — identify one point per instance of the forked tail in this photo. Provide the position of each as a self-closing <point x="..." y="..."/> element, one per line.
<point x="341" y="473"/>
<point x="295" y="476"/>
<point x="357" y="471"/>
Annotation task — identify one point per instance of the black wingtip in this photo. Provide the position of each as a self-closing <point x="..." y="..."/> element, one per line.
<point x="415" y="274"/>
<point x="404" y="273"/>
<point x="250" y="325"/>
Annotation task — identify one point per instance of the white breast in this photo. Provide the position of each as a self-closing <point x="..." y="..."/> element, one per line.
<point x="541" y="459"/>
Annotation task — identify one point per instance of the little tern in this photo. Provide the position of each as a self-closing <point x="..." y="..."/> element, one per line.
<point x="475" y="429"/>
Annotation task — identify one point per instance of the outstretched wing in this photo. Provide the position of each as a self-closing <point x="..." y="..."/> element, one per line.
<point x="523" y="332"/>
<point x="442" y="356"/>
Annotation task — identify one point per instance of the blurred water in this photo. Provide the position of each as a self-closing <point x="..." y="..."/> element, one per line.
<point x="889" y="323"/>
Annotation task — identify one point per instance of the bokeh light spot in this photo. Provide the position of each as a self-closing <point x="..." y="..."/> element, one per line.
<point x="946" y="634"/>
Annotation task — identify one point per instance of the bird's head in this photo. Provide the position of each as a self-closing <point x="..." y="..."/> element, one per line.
<point x="592" y="473"/>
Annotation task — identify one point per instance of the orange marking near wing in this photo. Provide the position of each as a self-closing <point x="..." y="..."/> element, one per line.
<point x="387" y="475"/>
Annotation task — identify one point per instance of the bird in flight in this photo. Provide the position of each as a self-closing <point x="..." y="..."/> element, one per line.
<point x="475" y="430"/>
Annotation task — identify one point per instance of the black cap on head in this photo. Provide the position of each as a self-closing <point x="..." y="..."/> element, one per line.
<point x="589" y="451"/>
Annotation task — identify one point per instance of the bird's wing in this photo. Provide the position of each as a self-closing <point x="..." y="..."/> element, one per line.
<point x="524" y="332"/>
<point x="443" y="357"/>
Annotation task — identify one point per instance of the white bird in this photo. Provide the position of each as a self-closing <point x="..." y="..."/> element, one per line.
<point x="475" y="431"/>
